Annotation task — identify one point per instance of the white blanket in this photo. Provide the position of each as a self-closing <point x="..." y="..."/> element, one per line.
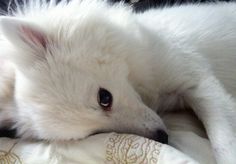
<point x="102" y="148"/>
<point x="190" y="148"/>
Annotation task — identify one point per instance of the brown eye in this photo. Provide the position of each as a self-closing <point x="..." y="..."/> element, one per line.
<point x="104" y="99"/>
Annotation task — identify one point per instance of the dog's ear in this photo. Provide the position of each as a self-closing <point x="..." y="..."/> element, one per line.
<point x="25" y="36"/>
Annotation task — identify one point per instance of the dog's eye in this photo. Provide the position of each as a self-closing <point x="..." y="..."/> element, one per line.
<point x="104" y="99"/>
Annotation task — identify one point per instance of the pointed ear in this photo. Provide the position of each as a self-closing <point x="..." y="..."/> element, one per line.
<point x="23" y="34"/>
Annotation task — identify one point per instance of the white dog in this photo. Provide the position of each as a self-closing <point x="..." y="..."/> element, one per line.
<point x="86" y="66"/>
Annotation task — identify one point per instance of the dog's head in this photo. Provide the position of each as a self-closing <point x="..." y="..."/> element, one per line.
<point x="73" y="78"/>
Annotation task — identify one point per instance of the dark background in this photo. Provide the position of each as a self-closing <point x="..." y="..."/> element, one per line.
<point x="141" y="5"/>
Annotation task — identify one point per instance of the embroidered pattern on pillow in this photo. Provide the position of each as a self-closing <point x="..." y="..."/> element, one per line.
<point x="123" y="149"/>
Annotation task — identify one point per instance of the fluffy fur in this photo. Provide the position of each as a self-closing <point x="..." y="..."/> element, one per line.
<point x="160" y="60"/>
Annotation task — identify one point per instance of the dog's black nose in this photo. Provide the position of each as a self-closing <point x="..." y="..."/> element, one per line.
<point x="161" y="136"/>
<point x="6" y="132"/>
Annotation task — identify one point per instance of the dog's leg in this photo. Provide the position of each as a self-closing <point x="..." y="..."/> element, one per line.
<point x="217" y="110"/>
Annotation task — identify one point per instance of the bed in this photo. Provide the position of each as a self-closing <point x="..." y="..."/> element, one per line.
<point x="188" y="146"/>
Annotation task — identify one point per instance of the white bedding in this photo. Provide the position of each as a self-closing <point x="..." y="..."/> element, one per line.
<point x="190" y="148"/>
<point x="102" y="148"/>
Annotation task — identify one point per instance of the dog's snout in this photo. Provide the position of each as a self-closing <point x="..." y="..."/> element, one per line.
<point x="161" y="136"/>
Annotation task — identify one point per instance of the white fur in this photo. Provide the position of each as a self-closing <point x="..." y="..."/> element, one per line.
<point x="163" y="59"/>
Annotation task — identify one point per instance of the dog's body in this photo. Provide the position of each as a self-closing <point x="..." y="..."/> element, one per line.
<point x="163" y="59"/>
